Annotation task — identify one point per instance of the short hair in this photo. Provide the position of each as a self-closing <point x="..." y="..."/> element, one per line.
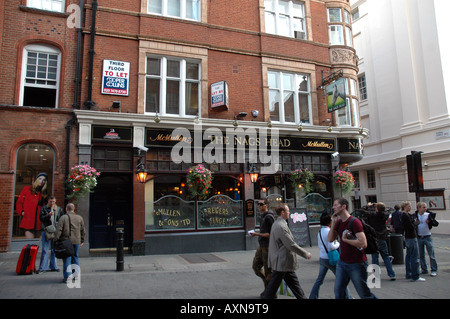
<point x="380" y="207"/>
<point x="280" y="208"/>
<point x="342" y="201"/>
<point x="70" y="207"/>
<point x="396" y="206"/>
<point x="404" y="204"/>
<point x="420" y="204"/>
<point x="325" y="219"/>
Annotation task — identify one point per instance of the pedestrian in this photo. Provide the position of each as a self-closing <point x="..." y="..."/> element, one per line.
<point x="29" y="204"/>
<point x="260" y="261"/>
<point x="352" y="264"/>
<point x="282" y="256"/>
<point x="325" y="246"/>
<point x="71" y="225"/>
<point x="49" y="216"/>
<point x="396" y="221"/>
<point x="412" y="248"/>
<point x="426" y="222"/>
<point x="378" y="221"/>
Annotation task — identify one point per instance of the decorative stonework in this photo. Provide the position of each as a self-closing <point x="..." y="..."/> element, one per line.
<point x="344" y="56"/>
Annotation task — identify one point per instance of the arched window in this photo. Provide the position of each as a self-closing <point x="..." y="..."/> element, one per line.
<point x="40" y="76"/>
<point x="33" y="184"/>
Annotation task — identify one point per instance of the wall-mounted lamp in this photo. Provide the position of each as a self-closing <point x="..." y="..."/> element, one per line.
<point x="141" y="172"/>
<point x="252" y="172"/>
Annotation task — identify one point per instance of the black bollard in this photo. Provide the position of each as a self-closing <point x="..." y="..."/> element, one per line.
<point x="119" y="260"/>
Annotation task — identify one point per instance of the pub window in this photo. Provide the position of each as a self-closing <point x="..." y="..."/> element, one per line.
<point x="40" y="76"/>
<point x="172" y="86"/>
<point x="289" y="97"/>
<point x="112" y="159"/>
<point x="49" y="5"/>
<point x="34" y="176"/>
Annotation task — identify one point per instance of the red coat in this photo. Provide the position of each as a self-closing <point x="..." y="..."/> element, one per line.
<point x="29" y="204"/>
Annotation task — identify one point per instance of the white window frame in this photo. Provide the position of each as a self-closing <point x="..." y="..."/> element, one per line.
<point x="281" y="90"/>
<point x="165" y="10"/>
<point x="45" y="49"/>
<point x="348" y="115"/>
<point x="49" y="5"/>
<point x="339" y="30"/>
<point x="163" y="77"/>
<point x="277" y="15"/>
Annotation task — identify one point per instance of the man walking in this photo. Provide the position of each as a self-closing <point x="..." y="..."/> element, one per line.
<point x="282" y="256"/>
<point x="352" y="264"/>
<point x="260" y="261"/>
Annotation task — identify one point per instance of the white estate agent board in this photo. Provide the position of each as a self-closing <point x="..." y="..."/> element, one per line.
<point x="115" y="77"/>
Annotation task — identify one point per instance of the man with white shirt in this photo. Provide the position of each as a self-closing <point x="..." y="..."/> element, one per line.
<point x="424" y="239"/>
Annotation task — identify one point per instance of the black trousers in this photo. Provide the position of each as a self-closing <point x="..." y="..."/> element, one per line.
<point x="291" y="280"/>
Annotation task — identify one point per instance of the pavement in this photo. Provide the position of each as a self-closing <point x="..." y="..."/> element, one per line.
<point x="215" y="275"/>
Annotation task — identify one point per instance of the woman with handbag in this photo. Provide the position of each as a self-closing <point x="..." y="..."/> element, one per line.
<point x="71" y="233"/>
<point x="49" y="216"/>
<point x="329" y="255"/>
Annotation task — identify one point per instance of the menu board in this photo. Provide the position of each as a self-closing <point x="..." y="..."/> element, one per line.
<point x="298" y="224"/>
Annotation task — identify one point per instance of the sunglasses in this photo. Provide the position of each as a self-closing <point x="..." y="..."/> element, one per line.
<point x="261" y="204"/>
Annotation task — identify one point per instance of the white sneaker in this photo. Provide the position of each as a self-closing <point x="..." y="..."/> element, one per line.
<point x="420" y="279"/>
<point x="433" y="274"/>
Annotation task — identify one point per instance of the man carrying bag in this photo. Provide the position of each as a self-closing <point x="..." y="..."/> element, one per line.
<point x="70" y="234"/>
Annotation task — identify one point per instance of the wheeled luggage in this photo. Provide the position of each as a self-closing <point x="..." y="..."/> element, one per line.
<point x="27" y="260"/>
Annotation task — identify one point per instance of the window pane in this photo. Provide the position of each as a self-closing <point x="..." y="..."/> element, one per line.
<point x="283" y="25"/>
<point x="270" y="22"/>
<point x="274" y="105"/>
<point x="173" y="69"/>
<point x="154" y="6"/>
<point x="173" y="97"/>
<point x="283" y="6"/>
<point x="173" y="8"/>
<point x="298" y="10"/>
<point x="192" y="71"/>
<point x="304" y="107"/>
<point x="192" y="9"/>
<point x="289" y="112"/>
<point x="273" y="80"/>
<point x="336" y="35"/>
<point x="334" y="15"/>
<point x="191" y="98"/>
<point x="153" y="66"/>
<point x="152" y="95"/>
<point x="268" y="4"/>
<point x="348" y="35"/>
<point x="288" y="81"/>
<point x="346" y="17"/>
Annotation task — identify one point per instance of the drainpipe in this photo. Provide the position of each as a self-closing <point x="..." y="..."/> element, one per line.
<point x="89" y="103"/>
<point x="78" y="58"/>
<point x="68" y="134"/>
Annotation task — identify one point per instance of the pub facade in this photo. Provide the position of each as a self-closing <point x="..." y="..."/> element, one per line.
<point x="251" y="92"/>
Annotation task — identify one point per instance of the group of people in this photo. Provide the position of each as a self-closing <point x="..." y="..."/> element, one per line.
<point x="275" y="257"/>
<point x="57" y="225"/>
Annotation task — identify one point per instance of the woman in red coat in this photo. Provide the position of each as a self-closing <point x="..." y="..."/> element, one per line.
<point x="29" y="205"/>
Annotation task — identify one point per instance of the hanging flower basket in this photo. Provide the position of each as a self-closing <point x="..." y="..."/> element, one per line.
<point x="344" y="180"/>
<point x="302" y="177"/>
<point x="82" y="179"/>
<point x="199" y="180"/>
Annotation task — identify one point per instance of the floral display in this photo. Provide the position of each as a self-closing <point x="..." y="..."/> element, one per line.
<point x="82" y="179"/>
<point x="344" y="180"/>
<point x="199" y="180"/>
<point x="302" y="177"/>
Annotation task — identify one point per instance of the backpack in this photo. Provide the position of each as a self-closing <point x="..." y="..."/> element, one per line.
<point x="371" y="236"/>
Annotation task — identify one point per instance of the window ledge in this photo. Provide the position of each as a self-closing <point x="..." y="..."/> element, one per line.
<point x="41" y="11"/>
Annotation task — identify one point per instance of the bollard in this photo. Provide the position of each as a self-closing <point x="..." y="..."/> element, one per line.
<point x="119" y="260"/>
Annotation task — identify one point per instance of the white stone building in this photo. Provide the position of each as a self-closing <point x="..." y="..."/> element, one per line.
<point x="404" y="83"/>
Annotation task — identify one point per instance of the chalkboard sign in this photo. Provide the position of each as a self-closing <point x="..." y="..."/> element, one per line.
<point x="298" y="224"/>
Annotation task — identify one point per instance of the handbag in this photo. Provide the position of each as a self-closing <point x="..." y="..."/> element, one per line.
<point x="50" y="232"/>
<point x="333" y="255"/>
<point x="64" y="248"/>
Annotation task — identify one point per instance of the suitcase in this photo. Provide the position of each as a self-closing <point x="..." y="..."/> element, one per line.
<point x="27" y="260"/>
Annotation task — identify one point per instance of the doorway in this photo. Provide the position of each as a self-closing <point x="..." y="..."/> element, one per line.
<point x="111" y="209"/>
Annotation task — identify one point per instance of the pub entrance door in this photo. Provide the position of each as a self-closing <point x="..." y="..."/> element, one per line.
<point x="111" y="209"/>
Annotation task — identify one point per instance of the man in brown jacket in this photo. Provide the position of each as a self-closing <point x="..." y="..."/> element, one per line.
<point x="71" y="225"/>
<point x="283" y="251"/>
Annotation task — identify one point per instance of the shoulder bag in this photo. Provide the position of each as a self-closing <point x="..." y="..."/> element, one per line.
<point x="64" y="248"/>
<point x="333" y="255"/>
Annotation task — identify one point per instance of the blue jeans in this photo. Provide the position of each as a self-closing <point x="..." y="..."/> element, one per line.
<point x="383" y="249"/>
<point x="47" y="247"/>
<point x="357" y="273"/>
<point x="69" y="261"/>
<point x="412" y="258"/>
<point x="428" y="243"/>
<point x="324" y="266"/>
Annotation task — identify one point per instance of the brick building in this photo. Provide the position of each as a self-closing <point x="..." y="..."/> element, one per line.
<point x="236" y="78"/>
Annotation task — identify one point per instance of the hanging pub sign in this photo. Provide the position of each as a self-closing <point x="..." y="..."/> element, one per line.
<point x="219" y="95"/>
<point x="116" y="77"/>
<point x="336" y="98"/>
